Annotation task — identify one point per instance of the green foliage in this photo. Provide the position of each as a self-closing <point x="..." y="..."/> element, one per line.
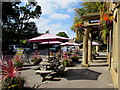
<point x="47" y="31"/>
<point x="11" y="79"/>
<point x="75" y="57"/>
<point x="104" y="35"/>
<point x="58" y="54"/>
<point x="66" y="62"/>
<point x="16" y="21"/>
<point x="36" y="61"/>
<point x="91" y="7"/>
<point x="63" y="34"/>
<point x="23" y="41"/>
<point x="16" y="83"/>
<point x="87" y="7"/>
<point x="18" y="64"/>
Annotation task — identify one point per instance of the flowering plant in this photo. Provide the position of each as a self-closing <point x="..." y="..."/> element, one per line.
<point x="105" y="25"/>
<point x="36" y="58"/>
<point x="17" y="61"/>
<point x="51" y="53"/>
<point x="74" y="57"/>
<point x="58" y="54"/>
<point x="9" y="70"/>
<point x="66" y="61"/>
<point x="11" y="78"/>
<point x="78" y="27"/>
<point x="106" y="21"/>
<point x="78" y="24"/>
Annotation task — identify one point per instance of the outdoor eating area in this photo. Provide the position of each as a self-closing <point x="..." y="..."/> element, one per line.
<point x="55" y="65"/>
<point x="55" y="62"/>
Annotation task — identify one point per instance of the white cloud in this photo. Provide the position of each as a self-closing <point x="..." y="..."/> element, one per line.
<point x="57" y="25"/>
<point x="53" y="28"/>
<point x="70" y="10"/>
<point x="47" y="7"/>
<point x="44" y="24"/>
<point x="54" y="10"/>
<point x="40" y="22"/>
<point x="59" y="16"/>
<point x="50" y="6"/>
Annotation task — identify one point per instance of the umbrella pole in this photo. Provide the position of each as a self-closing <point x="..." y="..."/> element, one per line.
<point x="48" y="50"/>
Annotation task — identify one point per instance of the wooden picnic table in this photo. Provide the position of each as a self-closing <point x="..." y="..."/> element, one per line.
<point x="45" y="65"/>
<point x="44" y="73"/>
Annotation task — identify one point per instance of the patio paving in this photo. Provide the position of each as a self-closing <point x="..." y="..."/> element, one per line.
<point x="97" y="76"/>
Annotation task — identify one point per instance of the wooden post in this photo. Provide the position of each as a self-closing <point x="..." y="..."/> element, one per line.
<point x="97" y="48"/>
<point x="90" y="47"/>
<point x="85" y="49"/>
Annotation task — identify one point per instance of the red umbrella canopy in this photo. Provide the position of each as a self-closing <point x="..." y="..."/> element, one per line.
<point x="47" y="37"/>
<point x="51" y="42"/>
<point x="95" y="43"/>
<point x="77" y="44"/>
<point x="67" y="44"/>
<point x="70" y="44"/>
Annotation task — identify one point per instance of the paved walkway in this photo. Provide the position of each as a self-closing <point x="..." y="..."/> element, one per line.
<point x="97" y="76"/>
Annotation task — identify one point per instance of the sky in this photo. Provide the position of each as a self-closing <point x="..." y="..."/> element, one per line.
<point x="57" y="16"/>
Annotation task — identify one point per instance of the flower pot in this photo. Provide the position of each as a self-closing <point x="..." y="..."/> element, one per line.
<point x="75" y="59"/>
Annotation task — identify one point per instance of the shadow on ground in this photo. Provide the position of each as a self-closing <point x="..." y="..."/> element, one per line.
<point x="81" y="74"/>
<point x="100" y="58"/>
<point x="75" y="63"/>
<point x="99" y="65"/>
<point x="100" y="61"/>
<point x="35" y="87"/>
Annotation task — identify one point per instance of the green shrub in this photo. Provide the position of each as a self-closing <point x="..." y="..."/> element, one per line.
<point x="36" y="61"/>
<point x="17" y="62"/>
<point x="75" y="57"/>
<point x="66" y="61"/>
<point x="11" y="79"/>
<point x="15" y="83"/>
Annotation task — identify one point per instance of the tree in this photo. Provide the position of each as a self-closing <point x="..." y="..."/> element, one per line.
<point x="47" y="31"/>
<point x="88" y="7"/>
<point x="16" y="21"/>
<point x="63" y="34"/>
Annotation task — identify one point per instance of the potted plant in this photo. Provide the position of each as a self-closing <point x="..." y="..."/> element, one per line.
<point x="58" y="54"/>
<point x="11" y="79"/>
<point x="66" y="61"/>
<point x="36" y="58"/>
<point x="75" y="57"/>
<point x="52" y="56"/>
<point x="17" y="62"/>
